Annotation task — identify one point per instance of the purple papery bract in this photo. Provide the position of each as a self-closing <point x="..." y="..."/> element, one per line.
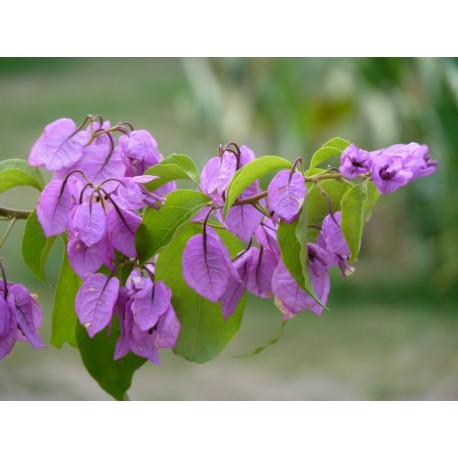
<point x="237" y="284"/>
<point x="90" y="222"/>
<point x="332" y="240"/>
<point x="94" y="302"/>
<point x="143" y="344"/>
<point x="75" y="185"/>
<point x="290" y="298"/>
<point x="243" y="220"/>
<point x="207" y="265"/>
<point x="168" y="329"/>
<point x="122" y="225"/>
<point x="217" y="174"/>
<point x="232" y="295"/>
<point x="246" y="155"/>
<point x="399" y="164"/>
<point x="53" y="208"/>
<point x="140" y="145"/>
<point x="59" y="146"/>
<point x="99" y="166"/>
<point x="148" y="308"/>
<point x="260" y="272"/>
<point x="123" y="312"/>
<point x="388" y="175"/>
<point x="147" y="343"/>
<point x="266" y="236"/>
<point x="8" y="326"/>
<point x="139" y="152"/>
<point x="26" y="314"/>
<point x="355" y="161"/>
<point x="5" y="313"/>
<point x="126" y="319"/>
<point x="418" y="160"/>
<point x="86" y="260"/>
<point x="129" y="195"/>
<point x="286" y="196"/>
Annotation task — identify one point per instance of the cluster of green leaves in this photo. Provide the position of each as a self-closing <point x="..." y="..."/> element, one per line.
<point x="163" y="235"/>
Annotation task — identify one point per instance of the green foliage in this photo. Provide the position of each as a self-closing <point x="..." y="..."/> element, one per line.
<point x="174" y="167"/>
<point x="115" y="377"/>
<point x="204" y="332"/>
<point x="292" y="239"/>
<point x="317" y="204"/>
<point x="35" y="246"/>
<point x="16" y="172"/>
<point x="159" y="226"/>
<point x="372" y="198"/>
<point x="63" y="316"/>
<point x="332" y="148"/>
<point x="251" y="172"/>
<point x="352" y="205"/>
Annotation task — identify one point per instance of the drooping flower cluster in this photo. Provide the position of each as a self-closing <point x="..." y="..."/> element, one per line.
<point x="147" y="319"/>
<point x="207" y="266"/>
<point x="390" y="168"/>
<point x="20" y="316"/>
<point x="96" y="191"/>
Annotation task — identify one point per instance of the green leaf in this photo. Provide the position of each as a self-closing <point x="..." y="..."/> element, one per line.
<point x="251" y="172"/>
<point x="317" y="205"/>
<point x="35" y="246"/>
<point x="314" y="171"/>
<point x="16" y="172"/>
<point x="339" y="143"/>
<point x="372" y="198"/>
<point x="353" y="217"/>
<point x="115" y="377"/>
<point x="64" y="316"/>
<point x="204" y="332"/>
<point x="301" y="233"/>
<point x="159" y="226"/>
<point x="174" y="167"/>
<point x="294" y="253"/>
<point x="186" y="164"/>
<point x="332" y="148"/>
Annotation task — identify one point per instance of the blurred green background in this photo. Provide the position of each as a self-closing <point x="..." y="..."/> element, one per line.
<point x="392" y="332"/>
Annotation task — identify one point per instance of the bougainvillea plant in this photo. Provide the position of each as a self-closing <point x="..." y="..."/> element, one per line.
<point x="148" y="266"/>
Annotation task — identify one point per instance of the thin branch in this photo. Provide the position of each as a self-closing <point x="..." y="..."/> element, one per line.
<point x="323" y="176"/>
<point x="251" y="200"/>
<point x="14" y="213"/>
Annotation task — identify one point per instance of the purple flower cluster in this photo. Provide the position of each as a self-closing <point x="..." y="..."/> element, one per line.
<point x="20" y="317"/>
<point x="391" y="167"/>
<point x="96" y="189"/>
<point x="209" y="270"/>
<point x="208" y="267"/>
<point x="147" y="319"/>
<point x="95" y="193"/>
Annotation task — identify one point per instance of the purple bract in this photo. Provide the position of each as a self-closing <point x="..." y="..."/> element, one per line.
<point x="286" y="194"/>
<point x="354" y="162"/>
<point x="20" y="317"/>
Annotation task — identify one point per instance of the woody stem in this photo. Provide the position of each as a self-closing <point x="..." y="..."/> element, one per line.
<point x="11" y="213"/>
